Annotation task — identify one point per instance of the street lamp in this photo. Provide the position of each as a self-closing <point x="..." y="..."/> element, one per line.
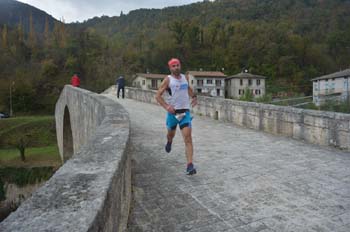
<point x="11" y="85"/>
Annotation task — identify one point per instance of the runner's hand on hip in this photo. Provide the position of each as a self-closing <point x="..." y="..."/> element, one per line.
<point x="170" y="109"/>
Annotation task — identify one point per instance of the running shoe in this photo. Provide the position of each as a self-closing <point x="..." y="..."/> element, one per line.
<point x="190" y="169"/>
<point x="168" y="147"/>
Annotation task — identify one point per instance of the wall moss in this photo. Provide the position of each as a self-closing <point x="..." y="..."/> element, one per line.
<point x="23" y="176"/>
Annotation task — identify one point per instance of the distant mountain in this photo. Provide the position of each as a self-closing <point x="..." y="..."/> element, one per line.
<point x="13" y="12"/>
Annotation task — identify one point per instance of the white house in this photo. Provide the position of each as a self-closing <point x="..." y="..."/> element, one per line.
<point x="331" y="86"/>
<point x="237" y="84"/>
<point x="207" y="83"/>
<point x="148" y="80"/>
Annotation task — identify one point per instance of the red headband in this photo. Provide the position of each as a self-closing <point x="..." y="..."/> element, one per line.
<point x="173" y="61"/>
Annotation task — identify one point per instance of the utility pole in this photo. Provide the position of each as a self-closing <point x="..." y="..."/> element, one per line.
<point x="347" y="93"/>
<point x="11" y="110"/>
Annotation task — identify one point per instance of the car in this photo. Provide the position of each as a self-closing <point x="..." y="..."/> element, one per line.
<point x="4" y="115"/>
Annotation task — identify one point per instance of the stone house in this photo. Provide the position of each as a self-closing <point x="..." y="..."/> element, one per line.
<point x="332" y="86"/>
<point x="208" y="83"/>
<point x="148" y="81"/>
<point x="236" y="85"/>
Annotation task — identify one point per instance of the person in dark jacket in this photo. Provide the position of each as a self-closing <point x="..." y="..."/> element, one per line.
<point x="75" y="80"/>
<point x="121" y="86"/>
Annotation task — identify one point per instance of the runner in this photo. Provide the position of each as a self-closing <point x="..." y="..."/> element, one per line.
<point x="177" y="108"/>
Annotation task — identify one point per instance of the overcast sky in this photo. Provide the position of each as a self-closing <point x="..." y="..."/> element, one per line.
<point x="80" y="10"/>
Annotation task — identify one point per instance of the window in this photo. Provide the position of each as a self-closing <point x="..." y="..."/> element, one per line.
<point x="249" y="82"/>
<point x="143" y="82"/>
<point x="218" y="92"/>
<point x="199" y="90"/>
<point x="218" y="82"/>
<point x="200" y="82"/>
<point x="241" y="81"/>
<point x="191" y="82"/>
<point x="154" y="83"/>
<point x="258" y="82"/>
<point x="241" y="92"/>
<point x="257" y="92"/>
<point x="209" y="81"/>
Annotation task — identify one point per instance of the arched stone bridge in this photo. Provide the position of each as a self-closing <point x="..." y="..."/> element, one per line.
<point x="248" y="180"/>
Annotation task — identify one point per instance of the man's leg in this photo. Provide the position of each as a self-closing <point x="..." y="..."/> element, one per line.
<point x="171" y="124"/>
<point x="187" y="136"/>
<point x="123" y="92"/>
<point x="118" y="92"/>
<point x="170" y="136"/>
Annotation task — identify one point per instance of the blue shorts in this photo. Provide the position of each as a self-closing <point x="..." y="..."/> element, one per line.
<point x="172" y="121"/>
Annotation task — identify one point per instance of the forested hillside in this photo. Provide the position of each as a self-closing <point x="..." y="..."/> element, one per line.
<point x="289" y="41"/>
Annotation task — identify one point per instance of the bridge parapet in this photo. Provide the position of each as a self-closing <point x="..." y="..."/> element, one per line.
<point x="91" y="191"/>
<point x="317" y="127"/>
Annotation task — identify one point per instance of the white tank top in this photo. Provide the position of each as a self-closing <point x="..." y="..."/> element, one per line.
<point x="179" y="98"/>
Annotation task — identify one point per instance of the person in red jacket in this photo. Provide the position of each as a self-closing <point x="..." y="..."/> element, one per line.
<point x="75" y="80"/>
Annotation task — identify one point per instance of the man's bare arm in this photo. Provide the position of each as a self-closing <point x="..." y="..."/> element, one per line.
<point x="191" y="93"/>
<point x="159" y="96"/>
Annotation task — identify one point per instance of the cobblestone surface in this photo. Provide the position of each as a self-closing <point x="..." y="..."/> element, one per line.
<point x="246" y="181"/>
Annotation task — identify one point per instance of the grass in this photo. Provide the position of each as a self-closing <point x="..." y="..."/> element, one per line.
<point x="8" y="124"/>
<point x="41" y="137"/>
<point x="35" y="157"/>
<point x="38" y="131"/>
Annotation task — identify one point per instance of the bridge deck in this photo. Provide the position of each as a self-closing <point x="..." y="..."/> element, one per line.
<point x="246" y="181"/>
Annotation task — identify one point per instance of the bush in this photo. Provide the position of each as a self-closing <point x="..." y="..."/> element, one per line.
<point x="25" y="176"/>
<point x="267" y="98"/>
<point x="247" y="96"/>
<point x="49" y="69"/>
<point x="336" y="106"/>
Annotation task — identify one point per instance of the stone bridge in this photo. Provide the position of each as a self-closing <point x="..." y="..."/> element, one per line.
<point x="260" y="168"/>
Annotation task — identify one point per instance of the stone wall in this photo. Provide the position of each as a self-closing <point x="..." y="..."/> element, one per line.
<point x="317" y="127"/>
<point x="92" y="190"/>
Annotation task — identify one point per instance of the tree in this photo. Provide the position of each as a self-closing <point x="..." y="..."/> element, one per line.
<point x="193" y="35"/>
<point x="4" y="37"/>
<point x="46" y="33"/>
<point x="32" y="34"/>
<point x="21" y="145"/>
<point x="20" y="32"/>
<point x="63" y="34"/>
<point x="57" y="35"/>
<point x="178" y="28"/>
<point x="19" y="141"/>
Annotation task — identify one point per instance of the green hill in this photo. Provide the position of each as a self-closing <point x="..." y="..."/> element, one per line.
<point x="13" y="12"/>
